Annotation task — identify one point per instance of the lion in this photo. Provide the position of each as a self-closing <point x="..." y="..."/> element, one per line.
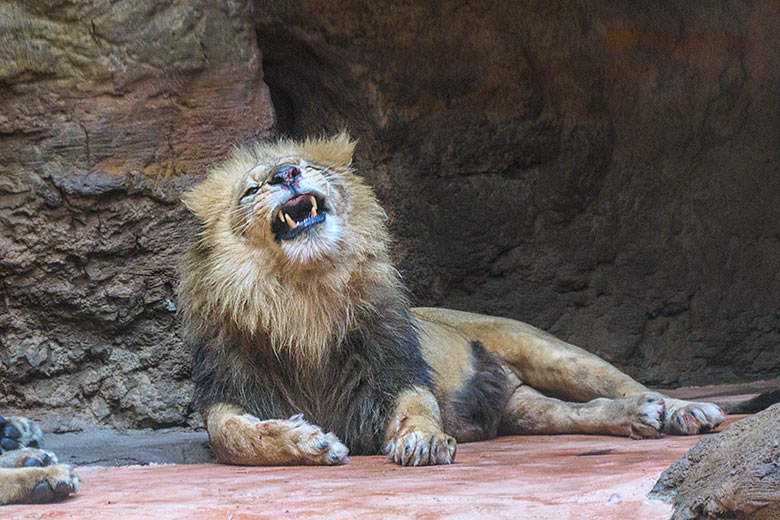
<point x="28" y="473"/>
<point x="306" y="349"/>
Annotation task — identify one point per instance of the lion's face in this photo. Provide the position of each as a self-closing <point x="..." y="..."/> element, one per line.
<point x="292" y="205"/>
<point x="289" y="204"/>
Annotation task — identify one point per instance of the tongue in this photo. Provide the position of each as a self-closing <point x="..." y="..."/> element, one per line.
<point x="298" y="207"/>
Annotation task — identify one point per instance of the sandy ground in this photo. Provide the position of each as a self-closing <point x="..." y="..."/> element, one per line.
<point x="529" y="477"/>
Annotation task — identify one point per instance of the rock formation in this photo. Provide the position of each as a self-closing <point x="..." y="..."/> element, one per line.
<point x="734" y="474"/>
<point x="609" y="174"/>
<point x="106" y="112"/>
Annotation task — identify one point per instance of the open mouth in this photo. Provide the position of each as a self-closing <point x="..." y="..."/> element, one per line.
<point x="298" y="215"/>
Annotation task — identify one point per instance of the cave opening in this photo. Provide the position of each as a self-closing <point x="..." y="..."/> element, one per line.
<point x="309" y="90"/>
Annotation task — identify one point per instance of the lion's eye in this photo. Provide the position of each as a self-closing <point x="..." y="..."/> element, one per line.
<point x="251" y="191"/>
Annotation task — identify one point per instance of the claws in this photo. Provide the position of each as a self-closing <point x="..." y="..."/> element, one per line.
<point x="337" y="458"/>
<point x="418" y="448"/>
<point x="319" y="447"/>
<point x="11" y="431"/>
<point x="60" y="482"/>
<point x="42" y="493"/>
<point x="9" y="444"/>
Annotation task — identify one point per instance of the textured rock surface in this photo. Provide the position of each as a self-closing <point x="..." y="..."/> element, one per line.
<point x="98" y="103"/>
<point x="732" y="475"/>
<point x="608" y="174"/>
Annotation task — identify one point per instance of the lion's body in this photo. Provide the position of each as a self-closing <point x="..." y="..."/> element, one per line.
<point x="292" y="306"/>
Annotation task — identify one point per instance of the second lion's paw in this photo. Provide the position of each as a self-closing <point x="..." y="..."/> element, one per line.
<point x="19" y="432"/>
<point x="59" y="482"/>
<point x="27" y="458"/>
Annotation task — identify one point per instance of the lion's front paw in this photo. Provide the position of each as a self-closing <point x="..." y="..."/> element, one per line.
<point x="689" y="418"/>
<point x="244" y="439"/>
<point x="59" y="482"/>
<point x="316" y="446"/>
<point x="420" y="445"/>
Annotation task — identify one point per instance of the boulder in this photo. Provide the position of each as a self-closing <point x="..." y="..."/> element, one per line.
<point x="734" y="474"/>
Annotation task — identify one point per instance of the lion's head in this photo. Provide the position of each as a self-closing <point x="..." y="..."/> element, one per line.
<point x="292" y="245"/>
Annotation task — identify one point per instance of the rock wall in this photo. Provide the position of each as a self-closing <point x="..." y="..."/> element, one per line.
<point x="611" y="174"/>
<point x="106" y="112"/>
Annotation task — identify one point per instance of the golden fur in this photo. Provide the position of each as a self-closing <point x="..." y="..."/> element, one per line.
<point x="251" y="286"/>
<point x="317" y="322"/>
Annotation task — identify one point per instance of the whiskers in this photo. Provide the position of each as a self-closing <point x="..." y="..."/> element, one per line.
<point x="242" y="218"/>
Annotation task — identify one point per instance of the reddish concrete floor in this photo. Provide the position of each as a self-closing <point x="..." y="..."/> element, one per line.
<point x="530" y="477"/>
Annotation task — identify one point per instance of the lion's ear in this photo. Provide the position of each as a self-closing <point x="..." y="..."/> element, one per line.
<point x="335" y="152"/>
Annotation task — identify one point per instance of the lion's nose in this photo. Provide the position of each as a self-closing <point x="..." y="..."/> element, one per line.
<point x="284" y="175"/>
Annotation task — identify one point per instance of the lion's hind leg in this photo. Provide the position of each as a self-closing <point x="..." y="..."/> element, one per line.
<point x="530" y="412"/>
<point x="559" y="368"/>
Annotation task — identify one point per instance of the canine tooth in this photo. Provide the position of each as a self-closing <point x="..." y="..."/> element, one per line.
<point x="313" y="203"/>
<point x="313" y="212"/>
<point x="281" y="216"/>
<point x="290" y="222"/>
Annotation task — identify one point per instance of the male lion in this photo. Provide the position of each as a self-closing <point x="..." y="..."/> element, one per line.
<point x="293" y="307"/>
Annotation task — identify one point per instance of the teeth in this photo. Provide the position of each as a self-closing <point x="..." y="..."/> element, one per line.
<point x="281" y="216"/>
<point x="290" y="221"/>
<point x="313" y="201"/>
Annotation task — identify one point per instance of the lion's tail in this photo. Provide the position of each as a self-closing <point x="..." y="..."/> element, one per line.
<point x="756" y="404"/>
